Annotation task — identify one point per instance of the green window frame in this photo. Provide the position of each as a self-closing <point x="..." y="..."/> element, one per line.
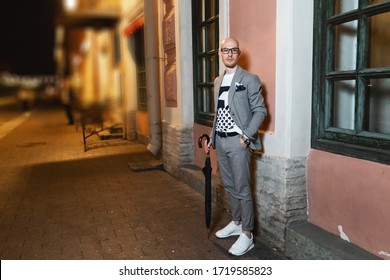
<point x="205" y="16"/>
<point x="351" y="78"/>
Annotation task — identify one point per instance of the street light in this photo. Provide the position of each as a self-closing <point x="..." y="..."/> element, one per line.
<point x="70" y="5"/>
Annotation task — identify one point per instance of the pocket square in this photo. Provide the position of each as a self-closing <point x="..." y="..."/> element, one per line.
<point x="240" y="87"/>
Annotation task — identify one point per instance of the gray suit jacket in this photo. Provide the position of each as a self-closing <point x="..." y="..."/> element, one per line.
<point x="246" y="105"/>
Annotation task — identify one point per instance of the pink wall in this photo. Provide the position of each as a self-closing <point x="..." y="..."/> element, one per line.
<point x="253" y="24"/>
<point x="352" y="193"/>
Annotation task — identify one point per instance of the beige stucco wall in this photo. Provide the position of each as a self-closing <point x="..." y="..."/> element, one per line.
<point x="353" y="194"/>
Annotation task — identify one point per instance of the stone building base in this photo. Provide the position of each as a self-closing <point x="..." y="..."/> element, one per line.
<point x="279" y="189"/>
<point x="305" y="241"/>
<point x="178" y="148"/>
<point x="130" y="122"/>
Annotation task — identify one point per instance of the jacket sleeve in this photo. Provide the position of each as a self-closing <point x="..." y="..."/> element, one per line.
<point x="258" y="111"/>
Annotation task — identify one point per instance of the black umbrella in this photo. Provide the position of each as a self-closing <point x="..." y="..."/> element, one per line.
<point x="207" y="174"/>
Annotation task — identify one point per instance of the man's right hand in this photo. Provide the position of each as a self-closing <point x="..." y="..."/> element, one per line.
<point x="207" y="146"/>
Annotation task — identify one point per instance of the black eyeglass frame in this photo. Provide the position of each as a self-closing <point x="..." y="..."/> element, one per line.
<point x="232" y="50"/>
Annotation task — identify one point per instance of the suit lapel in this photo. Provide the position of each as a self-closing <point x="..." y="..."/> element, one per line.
<point x="236" y="79"/>
<point x="218" y="83"/>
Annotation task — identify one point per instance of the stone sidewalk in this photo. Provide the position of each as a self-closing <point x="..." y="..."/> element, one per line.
<point x="58" y="202"/>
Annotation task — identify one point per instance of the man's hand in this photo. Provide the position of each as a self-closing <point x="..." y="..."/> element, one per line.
<point x="244" y="141"/>
<point x="207" y="146"/>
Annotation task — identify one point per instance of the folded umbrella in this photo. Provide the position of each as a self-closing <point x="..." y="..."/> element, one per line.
<point x="207" y="173"/>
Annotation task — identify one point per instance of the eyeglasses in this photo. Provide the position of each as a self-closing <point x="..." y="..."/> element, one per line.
<point x="232" y="50"/>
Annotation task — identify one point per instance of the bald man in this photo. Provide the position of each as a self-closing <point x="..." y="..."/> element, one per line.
<point x="240" y="110"/>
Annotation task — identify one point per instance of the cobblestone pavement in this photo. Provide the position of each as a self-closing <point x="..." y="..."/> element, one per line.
<point x="59" y="202"/>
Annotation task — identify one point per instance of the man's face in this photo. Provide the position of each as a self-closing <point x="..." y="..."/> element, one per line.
<point x="229" y="58"/>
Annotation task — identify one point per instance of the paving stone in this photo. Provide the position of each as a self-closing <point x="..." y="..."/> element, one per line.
<point x="59" y="202"/>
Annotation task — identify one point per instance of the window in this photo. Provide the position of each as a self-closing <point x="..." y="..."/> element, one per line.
<point x="351" y="78"/>
<point x="141" y="69"/>
<point x="206" y="60"/>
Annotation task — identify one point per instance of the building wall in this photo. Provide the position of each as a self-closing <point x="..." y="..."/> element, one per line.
<point x="345" y="196"/>
<point x="136" y="122"/>
<point x="177" y="87"/>
<point x="290" y="182"/>
<point x="275" y="38"/>
<point x="350" y="198"/>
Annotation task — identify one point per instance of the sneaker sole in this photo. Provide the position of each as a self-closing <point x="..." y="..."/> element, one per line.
<point x="242" y="253"/>
<point x="225" y="236"/>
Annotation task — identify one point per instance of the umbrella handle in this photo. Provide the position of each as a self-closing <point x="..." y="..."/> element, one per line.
<point x="201" y="139"/>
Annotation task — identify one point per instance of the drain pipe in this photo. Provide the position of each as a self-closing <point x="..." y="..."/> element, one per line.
<point x="152" y="75"/>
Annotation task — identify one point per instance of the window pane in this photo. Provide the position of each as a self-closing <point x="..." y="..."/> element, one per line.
<point x="343" y="6"/>
<point x="205" y="98"/>
<point x="211" y="9"/>
<point x="211" y="37"/>
<point x="377" y="113"/>
<point x="199" y="99"/>
<point x="212" y="68"/>
<point x="345" y="46"/>
<point x="343" y="115"/>
<point x="204" y="94"/>
<point x="212" y="105"/>
<point x="379" y="41"/>
<point x="201" y="41"/>
<point x="202" y="74"/>
<point x="200" y="11"/>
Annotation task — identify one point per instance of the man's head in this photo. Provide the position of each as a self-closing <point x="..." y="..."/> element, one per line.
<point x="229" y="52"/>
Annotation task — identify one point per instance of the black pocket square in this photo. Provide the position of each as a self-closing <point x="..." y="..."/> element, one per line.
<point x="240" y="87"/>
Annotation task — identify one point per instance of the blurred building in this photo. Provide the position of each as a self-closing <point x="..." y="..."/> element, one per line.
<point x="325" y="72"/>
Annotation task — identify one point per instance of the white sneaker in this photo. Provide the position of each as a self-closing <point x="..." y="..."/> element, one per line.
<point x="242" y="245"/>
<point x="229" y="230"/>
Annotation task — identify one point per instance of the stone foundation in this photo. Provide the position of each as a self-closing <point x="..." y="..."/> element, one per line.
<point x="131" y="128"/>
<point x="280" y="196"/>
<point x="178" y="148"/>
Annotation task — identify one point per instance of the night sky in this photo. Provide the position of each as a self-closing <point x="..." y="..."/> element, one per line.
<point x="27" y="37"/>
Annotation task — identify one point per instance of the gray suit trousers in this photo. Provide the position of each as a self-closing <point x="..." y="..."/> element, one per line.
<point x="233" y="164"/>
